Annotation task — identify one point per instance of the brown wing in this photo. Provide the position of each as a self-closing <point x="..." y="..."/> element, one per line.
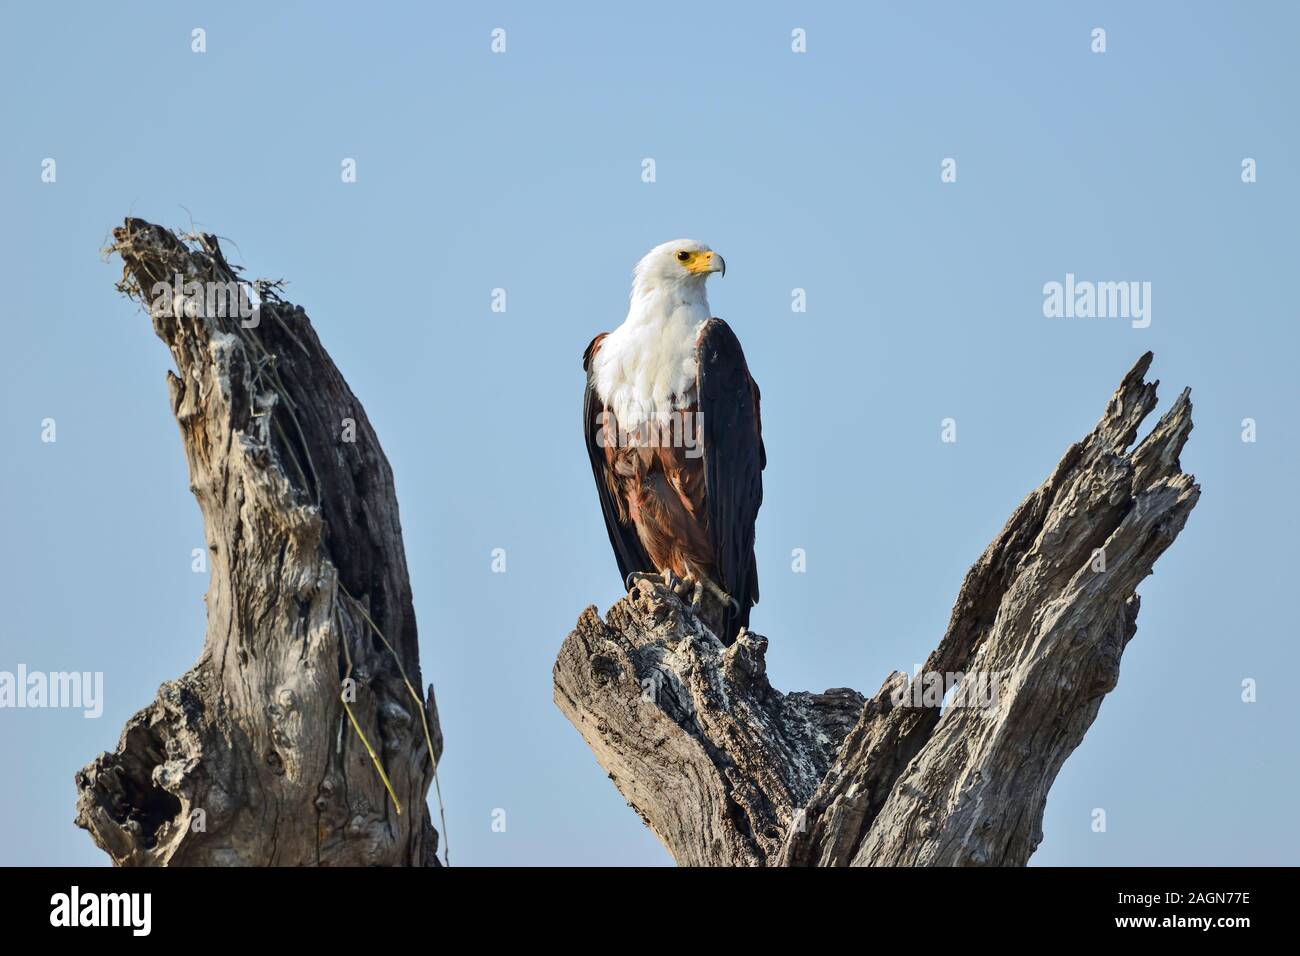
<point x="599" y="426"/>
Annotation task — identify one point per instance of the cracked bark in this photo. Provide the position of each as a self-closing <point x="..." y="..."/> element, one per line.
<point x="726" y="770"/>
<point x="250" y="758"/>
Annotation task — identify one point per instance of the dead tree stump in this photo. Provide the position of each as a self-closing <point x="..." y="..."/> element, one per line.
<point x="298" y="733"/>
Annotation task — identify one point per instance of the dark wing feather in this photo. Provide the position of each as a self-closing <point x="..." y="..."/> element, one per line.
<point x="628" y="550"/>
<point x="734" y="458"/>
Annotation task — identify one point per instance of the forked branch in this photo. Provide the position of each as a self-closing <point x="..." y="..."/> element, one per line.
<point x="728" y="771"/>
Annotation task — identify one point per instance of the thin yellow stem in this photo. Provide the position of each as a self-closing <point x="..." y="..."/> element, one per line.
<point x="373" y="756"/>
<point x="397" y="804"/>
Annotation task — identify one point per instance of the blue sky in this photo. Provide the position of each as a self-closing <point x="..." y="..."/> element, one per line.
<point x="818" y="171"/>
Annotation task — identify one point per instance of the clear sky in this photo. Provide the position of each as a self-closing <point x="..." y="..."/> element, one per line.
<point x="820" y="171"/>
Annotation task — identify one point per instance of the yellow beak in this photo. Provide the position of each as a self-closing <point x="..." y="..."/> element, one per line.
<point x="702" y="263"/>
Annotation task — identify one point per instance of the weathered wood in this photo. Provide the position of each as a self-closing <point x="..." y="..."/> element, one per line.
<point x="250" y="758"/>
<point x="725" y="770"/>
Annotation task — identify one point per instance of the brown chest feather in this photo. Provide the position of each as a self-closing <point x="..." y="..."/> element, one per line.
<point x="657" y="482"/>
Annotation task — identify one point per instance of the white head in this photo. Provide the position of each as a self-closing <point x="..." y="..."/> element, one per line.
<point x="679" y="266"/>
<point x="646" y="368"/>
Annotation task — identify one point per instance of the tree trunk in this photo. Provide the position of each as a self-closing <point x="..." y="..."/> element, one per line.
<point x="298" y="737"/>
<point x="728" y="771"/>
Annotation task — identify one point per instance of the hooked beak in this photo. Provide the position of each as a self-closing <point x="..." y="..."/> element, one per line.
<point x="717" y="263"/>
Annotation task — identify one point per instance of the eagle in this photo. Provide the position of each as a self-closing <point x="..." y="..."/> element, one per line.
<point x="672" y="426"/>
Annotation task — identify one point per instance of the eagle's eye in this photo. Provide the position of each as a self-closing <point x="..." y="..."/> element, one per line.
<point x="683" y="256"/>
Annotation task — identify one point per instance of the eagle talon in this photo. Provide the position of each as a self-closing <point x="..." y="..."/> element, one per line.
<point x="664" y="579"/>
<point x="637" y="576"/>
<point x="697" y="592"/>
<point x="701" y="583"/>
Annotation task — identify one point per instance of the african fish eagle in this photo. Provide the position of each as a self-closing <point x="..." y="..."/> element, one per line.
<point x="671" y="417"/>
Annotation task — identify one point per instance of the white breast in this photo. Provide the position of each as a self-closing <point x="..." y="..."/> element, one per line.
<point x="645" y="368"/>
